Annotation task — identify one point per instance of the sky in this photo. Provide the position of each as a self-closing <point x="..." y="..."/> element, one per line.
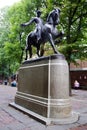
<point x="4" y="3"/>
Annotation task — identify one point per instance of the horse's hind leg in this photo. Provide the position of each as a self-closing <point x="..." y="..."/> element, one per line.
<point x="28" y="48"/>
<point x="30" y="51"/>
<point x="26" y="54"/>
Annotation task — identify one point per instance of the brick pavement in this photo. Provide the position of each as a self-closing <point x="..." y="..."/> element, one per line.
<point x="12" y="119"/>
<point x="82" y="127"/>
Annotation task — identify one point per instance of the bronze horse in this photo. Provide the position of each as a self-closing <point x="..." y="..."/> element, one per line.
<point x="49" y="33"/>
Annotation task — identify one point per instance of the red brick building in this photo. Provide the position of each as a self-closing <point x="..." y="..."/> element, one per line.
<point x="79" y="73"/>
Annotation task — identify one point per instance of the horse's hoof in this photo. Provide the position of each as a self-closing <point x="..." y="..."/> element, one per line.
<point x="25" y="58"/>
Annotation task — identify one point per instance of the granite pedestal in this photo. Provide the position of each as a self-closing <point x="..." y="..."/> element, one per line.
<point x="43" y="90"/>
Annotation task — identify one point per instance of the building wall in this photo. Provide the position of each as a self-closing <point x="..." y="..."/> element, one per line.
<point x="81" y="64"/>
<point x="80" y="76"/>
<point x="79" y="73"/>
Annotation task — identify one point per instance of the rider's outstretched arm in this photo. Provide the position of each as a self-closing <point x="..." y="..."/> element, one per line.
<point x="28" y="23"/>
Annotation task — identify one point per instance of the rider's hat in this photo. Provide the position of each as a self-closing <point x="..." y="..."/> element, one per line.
<point x="38" y="12"/>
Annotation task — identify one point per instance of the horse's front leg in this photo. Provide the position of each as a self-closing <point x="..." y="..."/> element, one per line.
<point x="52" y="44"/>
<point x="38" y="51"/>
<point x="42" y="50"/>
<point x="60" y="34"/>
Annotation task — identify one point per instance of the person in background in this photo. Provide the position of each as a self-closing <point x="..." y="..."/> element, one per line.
<point x="76" y="84"/>
<point x="5" y="82"/>
<point x="14" y="83"/>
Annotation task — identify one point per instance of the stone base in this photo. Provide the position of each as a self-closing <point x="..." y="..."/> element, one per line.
<point x="72" y="119"/>
<point x="43" y="90"/>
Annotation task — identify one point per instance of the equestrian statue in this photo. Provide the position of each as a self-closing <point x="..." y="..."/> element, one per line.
<point x="43" y="33"/>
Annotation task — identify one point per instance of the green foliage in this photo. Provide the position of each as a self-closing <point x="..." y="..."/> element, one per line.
<point x="73" y="20"/>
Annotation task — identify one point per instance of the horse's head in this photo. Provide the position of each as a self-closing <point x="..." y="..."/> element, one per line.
<point x="54" y="17"/>
<point x="57" y="10"/>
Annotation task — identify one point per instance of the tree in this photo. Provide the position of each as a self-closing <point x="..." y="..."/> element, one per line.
<point x="73" y="19"/>
<point x="9" y="48"/>
<point x="4" y="37"/>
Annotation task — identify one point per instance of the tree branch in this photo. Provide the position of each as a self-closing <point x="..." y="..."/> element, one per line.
<point x="78" y="28"/>
<point x="75" y="9"/>
<point x="83" y="14"/>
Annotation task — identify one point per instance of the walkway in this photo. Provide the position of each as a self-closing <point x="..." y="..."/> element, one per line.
<point x="12" y="119"/>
